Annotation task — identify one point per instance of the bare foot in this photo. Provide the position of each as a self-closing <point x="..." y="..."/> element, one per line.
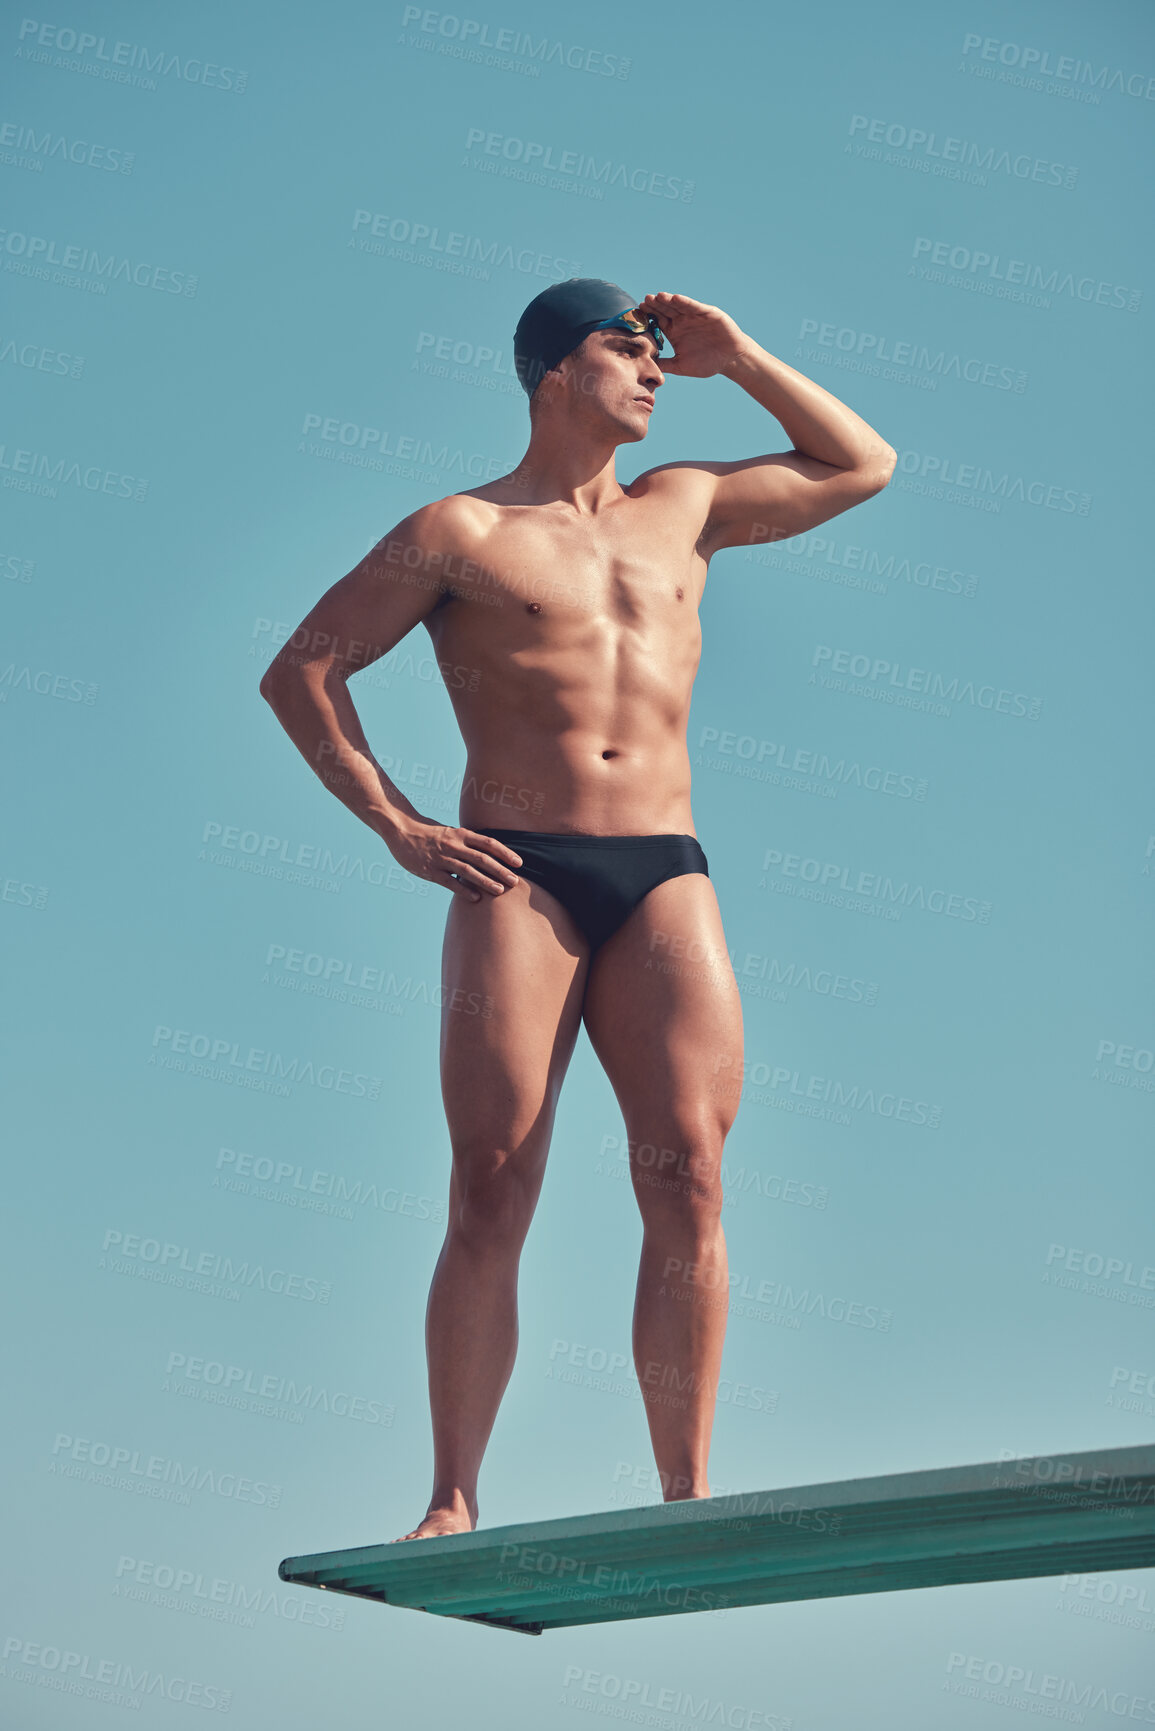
<point x="438" y="1523"/>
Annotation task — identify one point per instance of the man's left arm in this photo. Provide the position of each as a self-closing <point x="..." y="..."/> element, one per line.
<point x="838" y="459"/>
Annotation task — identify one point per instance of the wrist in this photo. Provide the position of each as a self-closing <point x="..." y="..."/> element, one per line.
<point x="747" y="359"/>
<point x="389" y="822"/>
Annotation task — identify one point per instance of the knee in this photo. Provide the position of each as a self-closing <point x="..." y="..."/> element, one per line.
<point x="680" y="1177"/>
<point x="492" y="1198"/>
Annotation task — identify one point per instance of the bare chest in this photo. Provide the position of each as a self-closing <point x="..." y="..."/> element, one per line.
<point x="635" y="569"/>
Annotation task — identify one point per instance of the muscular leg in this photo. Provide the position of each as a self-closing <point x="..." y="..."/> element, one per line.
<point x="667" y="1028"/>
<point x="520" y="956"/>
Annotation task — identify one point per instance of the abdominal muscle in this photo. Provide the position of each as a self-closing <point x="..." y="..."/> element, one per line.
<point x="570" y="788"/>
<point x="572" y="692"/>
<point x="585" y="739"/>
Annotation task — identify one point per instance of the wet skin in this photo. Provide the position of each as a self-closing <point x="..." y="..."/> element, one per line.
<point x="563" y="612"/>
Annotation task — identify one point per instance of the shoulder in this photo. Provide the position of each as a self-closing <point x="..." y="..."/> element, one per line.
<point x="457" y="513"/>
<point x="686" y="487"/>
<point x="688" y="477"/>
<point x="684" y="490"/>
<point x="450" y="524"/>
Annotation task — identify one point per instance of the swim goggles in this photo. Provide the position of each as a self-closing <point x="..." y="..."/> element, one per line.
<point x="638" y="322"/>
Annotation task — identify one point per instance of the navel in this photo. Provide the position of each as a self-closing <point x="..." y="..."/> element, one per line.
<point x="678" y="593"/>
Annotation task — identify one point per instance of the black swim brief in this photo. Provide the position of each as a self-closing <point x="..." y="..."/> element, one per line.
<point x="600" y="879"/>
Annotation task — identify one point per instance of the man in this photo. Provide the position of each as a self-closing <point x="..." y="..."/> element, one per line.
<point x="572" y="601"/>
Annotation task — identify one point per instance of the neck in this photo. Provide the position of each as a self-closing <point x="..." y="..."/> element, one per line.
<point x="564" y="466"/>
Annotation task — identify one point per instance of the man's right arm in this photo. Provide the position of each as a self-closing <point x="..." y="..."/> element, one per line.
<point x="362" y="617"/>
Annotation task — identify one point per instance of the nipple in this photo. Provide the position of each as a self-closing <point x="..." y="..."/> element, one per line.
<point x="533" y="606"/>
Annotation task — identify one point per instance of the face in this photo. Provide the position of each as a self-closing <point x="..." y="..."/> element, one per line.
<point x="613" y="376"/>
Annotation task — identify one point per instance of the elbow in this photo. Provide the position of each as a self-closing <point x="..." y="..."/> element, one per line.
<point x="272" y="683"/>
<point x="877" y="471"/>
<point x="288" y="676"/>
<point x="886" y="460"/>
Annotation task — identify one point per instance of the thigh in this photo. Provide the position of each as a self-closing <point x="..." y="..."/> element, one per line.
<point x="512" y="974"/>
<point x="664" y="1015"/>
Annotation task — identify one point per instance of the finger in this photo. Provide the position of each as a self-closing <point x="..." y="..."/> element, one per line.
<point x="449" y="882"/>
<point x="473" y="875"/>
<point x="486" y="862"/>
<point x="490" y="844"/>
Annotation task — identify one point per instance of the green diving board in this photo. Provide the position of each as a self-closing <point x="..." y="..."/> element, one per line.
<point x="1001" y="1521"/>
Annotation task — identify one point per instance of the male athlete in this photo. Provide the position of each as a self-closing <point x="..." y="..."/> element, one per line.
<point x="575" y="872"/>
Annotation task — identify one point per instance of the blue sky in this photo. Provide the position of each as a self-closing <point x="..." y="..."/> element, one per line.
<point x="263" y="270"/>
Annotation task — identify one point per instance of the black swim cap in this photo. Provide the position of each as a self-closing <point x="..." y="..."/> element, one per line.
<point x="558" y="320"/>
